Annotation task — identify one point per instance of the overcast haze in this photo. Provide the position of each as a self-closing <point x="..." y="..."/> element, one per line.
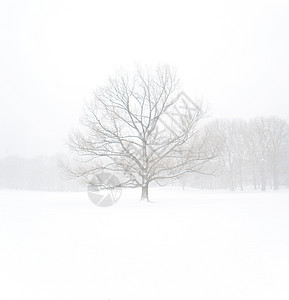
<point x="233" y="54"/>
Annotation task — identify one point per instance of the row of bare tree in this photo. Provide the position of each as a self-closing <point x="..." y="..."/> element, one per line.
<point x="253" y="153"/>
<point x="144" y="131"/>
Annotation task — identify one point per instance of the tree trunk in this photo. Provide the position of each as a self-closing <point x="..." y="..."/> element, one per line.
<point x="255" y="181"/>
<point x="275" y="180"/>
<point x="275" y="175"/>
<point x="232" y="182"/>
<point x="145" y="193"/>
<point x="241" y="178"/>
<point x="263" y="182"/>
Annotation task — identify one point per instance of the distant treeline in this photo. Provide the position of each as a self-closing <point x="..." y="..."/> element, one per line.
<point x="253" y="154"/>
<point x="38" y="173"/>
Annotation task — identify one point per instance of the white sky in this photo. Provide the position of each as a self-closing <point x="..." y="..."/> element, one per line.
<point x="53" y="53"/>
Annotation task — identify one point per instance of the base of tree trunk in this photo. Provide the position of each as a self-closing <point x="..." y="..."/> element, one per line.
<point x="146" y="200"/>
<point x="145" y="193"/>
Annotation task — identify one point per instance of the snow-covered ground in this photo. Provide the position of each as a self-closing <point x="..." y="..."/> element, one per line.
<point x="190" y="245"/>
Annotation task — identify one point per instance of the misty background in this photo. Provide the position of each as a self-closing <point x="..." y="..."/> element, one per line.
<point x="55" y="53"/>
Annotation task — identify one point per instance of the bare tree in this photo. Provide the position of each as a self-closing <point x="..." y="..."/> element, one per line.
<point x="141" y="129"/>
<point x="277" y="133"/>
<point x="223" y="130"/>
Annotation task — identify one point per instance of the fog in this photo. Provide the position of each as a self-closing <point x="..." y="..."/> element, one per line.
<point x="144" y="149"/>
<point x="234" y="55"/>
